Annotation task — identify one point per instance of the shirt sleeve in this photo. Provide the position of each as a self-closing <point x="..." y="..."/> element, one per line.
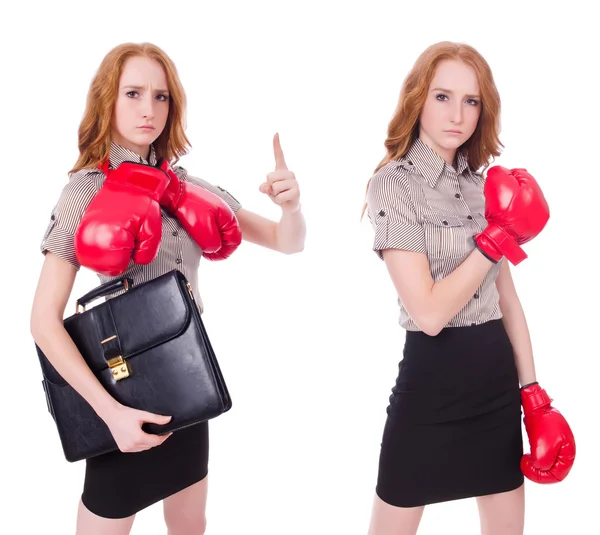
<point x="59" y="237"/>
<point x="233" y="203"/>
<point x="392" y="213"/>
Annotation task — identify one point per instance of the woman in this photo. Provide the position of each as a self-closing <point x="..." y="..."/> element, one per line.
<point x="135" y="113"/>
<point x="453" y="428"/>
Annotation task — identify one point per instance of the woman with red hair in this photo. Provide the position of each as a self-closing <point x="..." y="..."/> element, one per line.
<point x="446" y="227"/>
<point x="129" y="211"/>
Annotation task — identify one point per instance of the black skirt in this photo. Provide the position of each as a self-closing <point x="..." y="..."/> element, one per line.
<point x="453" y="428"/>
<point x="118" y="485"/>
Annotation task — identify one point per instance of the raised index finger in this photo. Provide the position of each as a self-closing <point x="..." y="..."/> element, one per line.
<point x="279" y="158"/>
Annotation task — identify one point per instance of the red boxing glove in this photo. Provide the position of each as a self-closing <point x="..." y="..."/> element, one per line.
<point x="516" y="211"/>
<point x="551" y="440"/>
<point x="123" y="220"/>
<point x="206" y="217"/>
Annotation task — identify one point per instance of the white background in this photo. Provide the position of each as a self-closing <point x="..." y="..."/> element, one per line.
<point x="309" y="344"/>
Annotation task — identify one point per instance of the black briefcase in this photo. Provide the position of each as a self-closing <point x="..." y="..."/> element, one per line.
<point x="149" y="349"/>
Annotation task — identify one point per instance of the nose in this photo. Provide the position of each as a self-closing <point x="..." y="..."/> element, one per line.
<point x="457" y="113"/>
<point x="147" y="107"/>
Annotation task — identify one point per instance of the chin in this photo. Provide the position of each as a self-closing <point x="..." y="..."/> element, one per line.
<point x="144" y="139"/>
<point x="145" y="136"/>
<point x="451" y="144"/>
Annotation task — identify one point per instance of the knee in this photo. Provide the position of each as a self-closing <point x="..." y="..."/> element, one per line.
<point x="182" y="523"/>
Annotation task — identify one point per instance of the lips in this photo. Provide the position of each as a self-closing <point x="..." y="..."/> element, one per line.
<point x="453" y="131"/>
<point x="146" y="127"/>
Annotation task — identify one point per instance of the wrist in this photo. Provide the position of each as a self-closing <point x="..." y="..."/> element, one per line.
<point x="498" y="239"/>
<point x="491" y="254"/>
<point x="173" y="194"/>
<point x="171" y="198"/>
<point x="106" y="407"/>
<point x="139" y="177"/>
<point x="291" y="210"/>
<point x="533" y="398"/>
<point x="487" y="247"/>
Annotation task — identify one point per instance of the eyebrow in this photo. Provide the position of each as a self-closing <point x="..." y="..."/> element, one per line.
<point x="451" y="92"/>
<point x="138" y="87"/>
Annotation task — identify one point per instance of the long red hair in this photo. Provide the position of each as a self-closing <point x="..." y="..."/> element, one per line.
<point x="95" y="127"/>
<point x="484" y="145"/>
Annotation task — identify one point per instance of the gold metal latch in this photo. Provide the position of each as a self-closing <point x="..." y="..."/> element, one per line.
<point x="119" y="368"/>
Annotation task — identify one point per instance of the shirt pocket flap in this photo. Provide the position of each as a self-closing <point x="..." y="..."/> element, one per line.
<point x="442" y="220"/>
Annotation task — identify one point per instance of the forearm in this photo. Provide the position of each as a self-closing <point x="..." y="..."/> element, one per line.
<point x="515" y="323"/>
<point x="63" y="354"/>
<point x="449" y="295"/>
<point x="290" y="232"/>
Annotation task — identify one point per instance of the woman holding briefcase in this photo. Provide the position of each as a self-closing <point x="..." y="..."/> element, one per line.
<point x="129" y="211"/>
<point x="446" y="235"/>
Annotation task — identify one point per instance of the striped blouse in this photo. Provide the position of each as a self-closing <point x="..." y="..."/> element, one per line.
<point x="177" y="249"/>
<point x="421" y="203"/>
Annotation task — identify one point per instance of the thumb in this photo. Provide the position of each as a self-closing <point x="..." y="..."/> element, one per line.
<point x="155" y="418"/>
<point x="529" y="471"/>
<point x="279" y="158"/>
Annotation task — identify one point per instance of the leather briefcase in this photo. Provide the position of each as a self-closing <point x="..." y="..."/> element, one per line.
<point x="149" y="349"/>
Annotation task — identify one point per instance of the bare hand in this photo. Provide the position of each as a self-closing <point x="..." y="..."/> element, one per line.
<point x="125" y="424"/>
<point x="281" y="185"/>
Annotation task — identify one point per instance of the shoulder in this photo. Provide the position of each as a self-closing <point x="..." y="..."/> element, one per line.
<point x="85" y="182"/>
<point x="184" y="176"/>
<point x="396" y="173"/>
<point x="76" y="195"/>
<point x="391" y="180"/>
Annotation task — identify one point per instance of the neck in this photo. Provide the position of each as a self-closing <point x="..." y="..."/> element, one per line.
<point x="448" y="155"/>
<point x="141" y="150"/>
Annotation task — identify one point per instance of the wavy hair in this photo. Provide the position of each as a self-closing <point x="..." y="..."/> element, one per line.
<point x="483" y="145"/>
<point x="94" y="136"/>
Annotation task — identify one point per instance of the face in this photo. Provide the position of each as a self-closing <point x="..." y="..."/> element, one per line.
<point x="142" y="105"/>
<point x="452" y="108"/>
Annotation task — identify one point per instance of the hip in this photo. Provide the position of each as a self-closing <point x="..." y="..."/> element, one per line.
<point x="463" y="366"/>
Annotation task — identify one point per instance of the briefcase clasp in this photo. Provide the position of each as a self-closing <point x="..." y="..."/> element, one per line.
<point x="119" y="368"/>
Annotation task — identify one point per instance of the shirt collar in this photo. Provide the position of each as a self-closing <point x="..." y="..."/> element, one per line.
<point x="430" y="164"/>
<point x="119" y="154"/>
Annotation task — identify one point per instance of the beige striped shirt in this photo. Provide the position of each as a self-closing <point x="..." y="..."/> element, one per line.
<point x="177" y="249"/>
<point x="421" y="203"/>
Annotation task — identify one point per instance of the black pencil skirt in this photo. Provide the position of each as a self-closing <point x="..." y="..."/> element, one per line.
<point x="453" y="428"/>
<point x="118" y="485"/>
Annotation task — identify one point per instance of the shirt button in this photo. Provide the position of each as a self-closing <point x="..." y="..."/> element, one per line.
<point x="445" y="222"/>
<point x="472" y="324"/>
<point x="476" y="296"/>
<point x="175" y="233"/>
<point x="469" y="217"/>
<point x="457" y="195"/>
<point x="178" y="261"/>
<point x="381" y="213"/>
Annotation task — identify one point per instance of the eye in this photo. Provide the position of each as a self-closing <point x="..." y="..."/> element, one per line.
<point x="162" y="97"/>
<point x="132" y="94"/>
<point x="444" y="97"/>
<point x="473" y="102"/>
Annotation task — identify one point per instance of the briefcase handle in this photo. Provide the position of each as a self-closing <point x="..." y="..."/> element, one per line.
<point x="104" y="289"/>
